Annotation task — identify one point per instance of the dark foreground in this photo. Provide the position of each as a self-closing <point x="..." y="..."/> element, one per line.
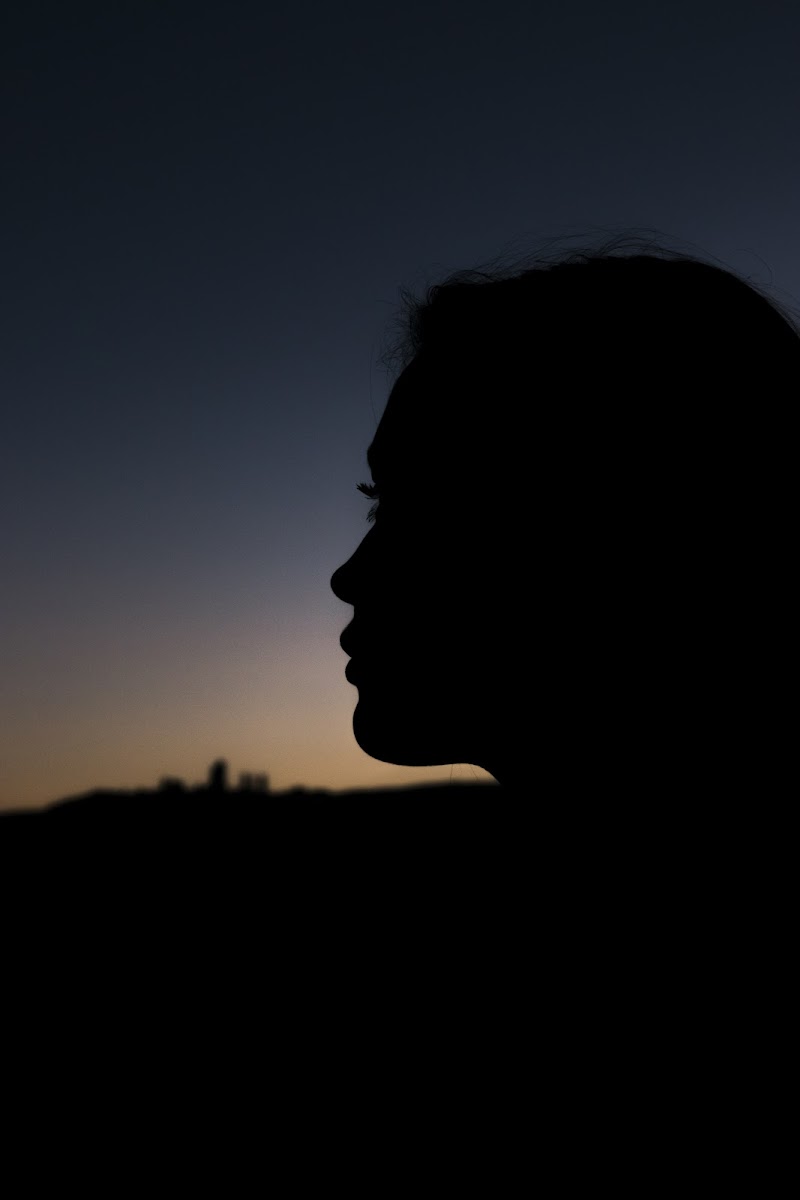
<point x="186" y="802"/>
<point x="444" y="983"/>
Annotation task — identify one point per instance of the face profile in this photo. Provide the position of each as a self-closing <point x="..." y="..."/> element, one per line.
<point x="429" y="641"/>
<point x="572" y="487"/>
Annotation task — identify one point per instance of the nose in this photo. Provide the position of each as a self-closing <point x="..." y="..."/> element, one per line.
<point x="347" y="580"/>
<point x="337" y="582"/>
<point x="342" y="582"/>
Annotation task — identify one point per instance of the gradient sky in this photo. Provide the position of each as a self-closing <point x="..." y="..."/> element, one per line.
<point x="208" y="209"/>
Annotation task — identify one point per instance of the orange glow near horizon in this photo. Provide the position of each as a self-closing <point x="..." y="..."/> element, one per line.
<point x="123" y="715"/>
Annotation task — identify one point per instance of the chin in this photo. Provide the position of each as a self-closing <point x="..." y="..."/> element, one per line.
<point x="393" y="738"/>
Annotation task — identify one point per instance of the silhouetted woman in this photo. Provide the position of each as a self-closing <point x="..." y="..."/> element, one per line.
<point x="577" y="571"/>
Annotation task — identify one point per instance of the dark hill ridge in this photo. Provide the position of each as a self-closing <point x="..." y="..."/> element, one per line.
<point x="303" y="845"/>
<point x="187" y="803"/>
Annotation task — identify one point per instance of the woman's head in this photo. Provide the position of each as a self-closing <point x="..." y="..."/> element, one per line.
<point x="554" y="468"/>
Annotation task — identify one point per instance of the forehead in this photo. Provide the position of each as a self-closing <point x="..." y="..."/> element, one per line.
<point x="444" y="427"/>
<point x="399" y="427"/>
<point x="424" y="416"/>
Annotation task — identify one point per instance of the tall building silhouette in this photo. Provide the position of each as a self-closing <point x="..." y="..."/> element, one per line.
<point x="218" y="776"/>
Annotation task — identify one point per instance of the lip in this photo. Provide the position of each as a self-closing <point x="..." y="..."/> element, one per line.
<point x="352" y="671"/>
<point x="348" y="643"/>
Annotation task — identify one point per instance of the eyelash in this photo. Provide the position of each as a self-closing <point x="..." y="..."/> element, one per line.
<point x="371" y="492"/>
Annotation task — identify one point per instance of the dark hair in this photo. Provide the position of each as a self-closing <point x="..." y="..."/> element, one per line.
<point x="673" y="301"/>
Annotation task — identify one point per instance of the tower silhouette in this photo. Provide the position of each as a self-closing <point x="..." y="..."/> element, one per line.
<point x="218" y="776"/>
